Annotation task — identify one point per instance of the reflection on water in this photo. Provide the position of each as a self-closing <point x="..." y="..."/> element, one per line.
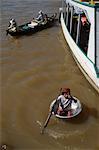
<point x="33" y="69"/>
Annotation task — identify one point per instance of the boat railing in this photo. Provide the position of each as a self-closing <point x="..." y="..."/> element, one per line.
<point x="91" y="2"/>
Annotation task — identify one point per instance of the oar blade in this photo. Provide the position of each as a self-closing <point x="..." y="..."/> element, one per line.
<point x="46" y="122"/>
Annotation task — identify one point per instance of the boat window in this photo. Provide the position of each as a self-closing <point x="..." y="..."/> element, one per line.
<point x="65" y="13"/>
<point x="69" y="16"/>
<point x="74" y="26"/>
<point x="64" y="6"/>
<point x="84" y="33"/>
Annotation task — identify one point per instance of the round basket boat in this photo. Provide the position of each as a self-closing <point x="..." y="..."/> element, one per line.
<point x="76" y="108"/>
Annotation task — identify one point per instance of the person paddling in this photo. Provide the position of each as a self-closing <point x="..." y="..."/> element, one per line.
<point x="62" y="106"/>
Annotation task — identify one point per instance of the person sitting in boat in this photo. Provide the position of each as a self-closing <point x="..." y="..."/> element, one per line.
<point x="41" y="19"/>
<point x="41" y="16"/>
<point x="12" y="24"/>
<point x="33" y="23"/>
<point x="65" y="100"/>
<point x="45" y="18"/>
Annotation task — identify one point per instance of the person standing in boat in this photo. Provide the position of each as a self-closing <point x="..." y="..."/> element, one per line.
<point x="64" y="100"/>
<point x="84" y="33"/>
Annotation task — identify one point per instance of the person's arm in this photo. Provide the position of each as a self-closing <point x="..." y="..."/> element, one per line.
<point x="61" y="104"/>
<point x="71" y="98"/>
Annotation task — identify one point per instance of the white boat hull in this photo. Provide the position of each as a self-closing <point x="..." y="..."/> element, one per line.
<point x="86" y="66"/>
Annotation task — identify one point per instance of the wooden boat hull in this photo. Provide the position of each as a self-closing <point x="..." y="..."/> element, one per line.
<point x="26" y="30"/>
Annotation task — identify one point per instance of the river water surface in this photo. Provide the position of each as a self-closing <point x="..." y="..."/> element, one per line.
<point x="33" y="69"/>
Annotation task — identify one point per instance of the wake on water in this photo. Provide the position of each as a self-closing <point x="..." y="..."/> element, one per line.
<point x="58" y="133"/>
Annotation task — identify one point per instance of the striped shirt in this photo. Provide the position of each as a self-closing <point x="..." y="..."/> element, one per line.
<point x="64" y="102"/>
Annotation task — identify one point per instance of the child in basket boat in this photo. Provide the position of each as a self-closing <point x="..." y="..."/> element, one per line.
<point x="64" y="101"/>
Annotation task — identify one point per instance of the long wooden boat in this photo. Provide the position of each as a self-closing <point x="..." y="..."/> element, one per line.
<point x="32" y="27"/>
<point x="79" y="21"/>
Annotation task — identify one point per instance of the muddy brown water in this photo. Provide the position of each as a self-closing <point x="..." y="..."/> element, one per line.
<point x="33" y="69"/>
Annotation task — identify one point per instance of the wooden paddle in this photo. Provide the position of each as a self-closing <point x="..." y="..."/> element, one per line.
<point x="48" y="117"/>
<point x="50" y="113"/>
<point x="6" y="32"/>
<point x="46" y="122"/>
